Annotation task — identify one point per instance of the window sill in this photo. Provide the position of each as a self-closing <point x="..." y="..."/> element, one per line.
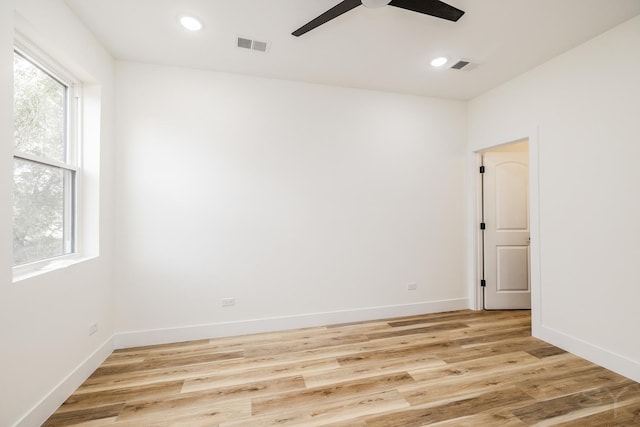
<point x="29" y="271"/>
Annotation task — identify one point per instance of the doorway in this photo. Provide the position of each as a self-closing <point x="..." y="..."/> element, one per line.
<point x="505" y="258"/>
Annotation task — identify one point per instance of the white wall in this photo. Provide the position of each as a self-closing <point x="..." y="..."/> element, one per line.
<point x="6" y="170"/>
<point x="585" y="106"/>
<point x="45" y="350"/>
<point x="293" y="198"/>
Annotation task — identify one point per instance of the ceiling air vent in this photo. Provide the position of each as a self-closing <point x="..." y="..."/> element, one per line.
<point x="256" y="45"/>
<point x="459" y="65"/>
<point x="464" y="64"/>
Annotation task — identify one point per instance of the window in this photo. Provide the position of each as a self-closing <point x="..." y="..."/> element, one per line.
<point x="45" y="171"/>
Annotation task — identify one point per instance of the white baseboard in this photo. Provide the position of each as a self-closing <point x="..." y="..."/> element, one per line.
<point x="605" y="358"/>
<point x="253" y="326"/>
<point x="48" y="405"/>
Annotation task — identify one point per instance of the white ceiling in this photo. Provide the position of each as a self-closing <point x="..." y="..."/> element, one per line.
<point x="385" y="49"/>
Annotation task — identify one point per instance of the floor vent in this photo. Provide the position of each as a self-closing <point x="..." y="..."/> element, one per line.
<point x="256" y="45"/>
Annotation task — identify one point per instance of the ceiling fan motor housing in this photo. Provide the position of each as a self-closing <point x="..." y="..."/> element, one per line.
<point x="373" y="4"/>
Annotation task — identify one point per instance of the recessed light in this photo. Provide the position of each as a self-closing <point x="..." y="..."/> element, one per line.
<point x="439" y="62"/>
<point x="190" y="23"/>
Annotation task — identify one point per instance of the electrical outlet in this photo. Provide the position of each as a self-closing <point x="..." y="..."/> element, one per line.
<point x="93" y="329"/>
<point x="412" y="286"/>
<point x="228" y="302"/>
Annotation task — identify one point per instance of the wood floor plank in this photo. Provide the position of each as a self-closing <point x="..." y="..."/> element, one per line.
<point x="79" y="401"/>
<point x="381" y="355"/>
<point x="465" y="383"/>
<point x="335" y="392"/>
<point x="195" y="414"/>
<point x="490" y="418"/>
<point x="485" y="366"/>
<point x="141" y="378"/>
<point x="95" y="412"/>
<point x="574" y="380"/>
<point x="440" y="327"/>
<point x="428" y="413"/>
<point x="260" y="374"/>
<point x="493" y="348"/>
<point x="578" y="404"/>
<point x="498" y="336"/>
<point x="348" y="423"/>
<point x="306" y="344"/>
<point x="545" y="351"/>
<point x="161" y="408"/>
<point x="160" y="347"/>
<point x="376" y="367"/>
<point x="621" y="414"/>
<point x="329" y="412"/>
<point x="164" y="363"/>
<point x="464" y="369"/>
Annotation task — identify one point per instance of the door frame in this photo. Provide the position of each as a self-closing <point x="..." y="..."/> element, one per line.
<point x="475" y="293"/>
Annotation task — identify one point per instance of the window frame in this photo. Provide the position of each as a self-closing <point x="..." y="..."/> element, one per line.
<point x="72" y="163"/>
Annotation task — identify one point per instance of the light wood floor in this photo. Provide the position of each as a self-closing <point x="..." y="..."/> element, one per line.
<point x="450" y="369"/>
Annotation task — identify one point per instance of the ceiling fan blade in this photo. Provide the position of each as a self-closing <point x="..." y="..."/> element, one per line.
<point x="334" y="12"/>
<point x="430" y="7"/>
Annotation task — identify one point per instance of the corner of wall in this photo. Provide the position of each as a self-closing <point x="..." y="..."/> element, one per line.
<point x="56" y="397"/>
<point x="593" y="353"/>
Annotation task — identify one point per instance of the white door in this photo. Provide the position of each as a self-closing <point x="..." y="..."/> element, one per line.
<point x="506" y="234"/>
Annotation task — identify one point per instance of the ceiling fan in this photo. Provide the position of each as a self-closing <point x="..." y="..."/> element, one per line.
<point x="428" y="7"/>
